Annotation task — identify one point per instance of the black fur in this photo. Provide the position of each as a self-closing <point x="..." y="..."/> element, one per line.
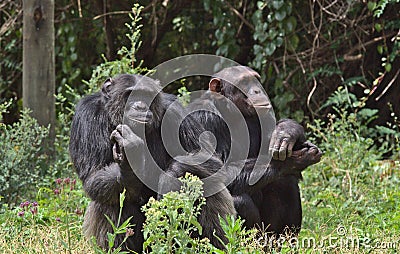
<point x="274" y="201"/>
<point x="99" y="145"/>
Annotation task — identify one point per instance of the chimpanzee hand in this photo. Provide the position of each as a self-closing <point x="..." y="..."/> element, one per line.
<point x="306" y="154"/>
<point x="286" y="134"/>
<point x="127" y="143"/>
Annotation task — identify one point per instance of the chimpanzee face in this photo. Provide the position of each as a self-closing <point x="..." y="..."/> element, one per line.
<point x="240" y="85"/>
<point x="132" y="95"/>
<point x="139" y="107"/>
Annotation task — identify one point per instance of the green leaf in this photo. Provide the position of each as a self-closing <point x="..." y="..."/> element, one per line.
<point x="122" y="198"/>
<point x="110" y="238"/>
<point x="280" y="14"/>
<point x="74" y="56"/>
<point x="293" y="42"/>
<point x="126" y="223"/>
<point x="388" y="67"/>
<point x="371" y="6"/>
<point x="380" y="49"/>
<point x="270" y="48"/>
<point x="197" y="225"/>
<point x="272" y="33"/>
<point x="277" y="4"/>
<point x="279" y="41"/>
<point x="261" y="5"/>
<point x="366" y="113"/>
<point x="218" y="251"/>
<point x="257" y="17"/>
<point x="111" y="222"/>
<point x="385" y="130"/>
<point x="257" y="49"/>
<point x="290" y="24"/>
<point x="378" y="27"/>
<point x="261" y="37"/>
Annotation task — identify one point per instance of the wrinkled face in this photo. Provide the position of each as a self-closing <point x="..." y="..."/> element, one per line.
<point x="132" y="95"/>
<point x="240" y="85"/>
<point x="138" y="106"/>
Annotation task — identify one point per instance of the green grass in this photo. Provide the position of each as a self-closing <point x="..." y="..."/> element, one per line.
<point x="338" y="217"/>
<point x="361" y="217"/>
<point x="51" y="224"/>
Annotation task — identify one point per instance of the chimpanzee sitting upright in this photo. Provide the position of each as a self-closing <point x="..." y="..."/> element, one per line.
<point x="100" y="146"/>
<point x="274" y="201"/>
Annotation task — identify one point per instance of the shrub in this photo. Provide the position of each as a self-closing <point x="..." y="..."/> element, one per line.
<point x="21" y="158"/>
<point x="171" y="220"/>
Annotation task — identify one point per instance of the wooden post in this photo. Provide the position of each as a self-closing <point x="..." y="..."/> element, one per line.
<point x="38" y="77"/>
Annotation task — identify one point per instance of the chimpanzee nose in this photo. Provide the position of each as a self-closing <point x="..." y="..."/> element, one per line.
<point x="140" y="105"/>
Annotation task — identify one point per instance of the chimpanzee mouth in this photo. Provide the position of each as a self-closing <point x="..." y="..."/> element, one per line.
<point x="142" y="119"/>
<point x="262" y="106"/>
<point x="259" y="103"/>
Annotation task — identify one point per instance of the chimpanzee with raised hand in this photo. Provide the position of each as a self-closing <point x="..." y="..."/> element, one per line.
<point x="274" y="201"/>
<point x="110" y="155"/>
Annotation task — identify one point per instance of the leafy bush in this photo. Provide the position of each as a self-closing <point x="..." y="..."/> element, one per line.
<point x="21" y="157"/>
<point x="127" y="62"/>
<point x="171" y="221"/>
<point x="354" y="112"/>
<point x="348" y="155"/>
<point x="240" y="240"/>
<point x="349" y="143"/>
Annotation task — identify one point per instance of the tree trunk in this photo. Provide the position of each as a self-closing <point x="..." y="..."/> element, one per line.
<point x="38" y="76"/>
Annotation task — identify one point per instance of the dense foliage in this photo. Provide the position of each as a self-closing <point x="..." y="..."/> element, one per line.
<point x="22" y="166"/>
<point x="303" y="50"/>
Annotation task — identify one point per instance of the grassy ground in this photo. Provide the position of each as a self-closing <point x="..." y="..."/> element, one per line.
<point x="343" y="213"/>
<point x="349" y="215"/>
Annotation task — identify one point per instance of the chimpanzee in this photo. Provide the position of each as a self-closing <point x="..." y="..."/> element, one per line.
<point x="111" y="154"/>
<point x="274" y="201"/>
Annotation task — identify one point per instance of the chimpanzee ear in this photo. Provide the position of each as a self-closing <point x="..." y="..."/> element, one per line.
<point x="215" y="85"/>
<point x="106" y="88"/>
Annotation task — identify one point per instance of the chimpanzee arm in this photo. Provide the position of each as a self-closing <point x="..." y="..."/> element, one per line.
<point x="307" y="155"/>
<point x="287" y="134"/>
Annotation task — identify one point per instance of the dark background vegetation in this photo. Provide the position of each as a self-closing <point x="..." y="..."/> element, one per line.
<point x="304" y="50"/>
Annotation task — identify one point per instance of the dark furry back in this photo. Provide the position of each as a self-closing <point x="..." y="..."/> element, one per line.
<point x="90" y="146"/>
